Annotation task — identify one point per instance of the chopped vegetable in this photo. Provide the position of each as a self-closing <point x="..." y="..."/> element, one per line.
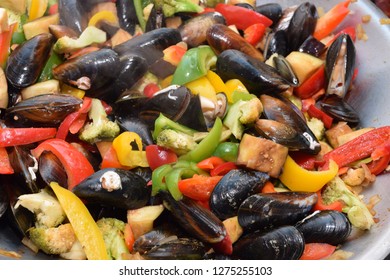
<point x="113" y="234"/>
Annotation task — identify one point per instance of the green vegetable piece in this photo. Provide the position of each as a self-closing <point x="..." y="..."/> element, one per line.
<point x="90" y="35"/>
<point x="172" y="180"/>
<point x="357" y="212"/>
<point x="139" y="11"/>
<point x="171" y="7"/>
<point x="207" y="146"/>
<point x="47" y="73"/>
<point x="228" y="151"/>
<point x="240" y="95"/>
<point x="194" y="64"/>
<point x="113" y="234"/>
<point x="177" y="141"/>
<point x="158" y="175"/>
<point x="162" y="122"/>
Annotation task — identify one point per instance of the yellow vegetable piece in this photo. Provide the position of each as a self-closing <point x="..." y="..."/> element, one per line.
<point x="37" y="9"/>
<point x="103" y="15"/>
<point x="125" y="153"/>
<point x="66" y="89"/>
<point x="234" y="85"/>
<point x="82" y="222"/>
<point x="203" y="87"/>
<point x="217" y="82"/>
<point x="297" y="178"/>
<point x="166" y="82"/>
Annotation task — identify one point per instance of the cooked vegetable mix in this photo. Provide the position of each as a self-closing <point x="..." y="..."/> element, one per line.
<point x="181" y="130"/>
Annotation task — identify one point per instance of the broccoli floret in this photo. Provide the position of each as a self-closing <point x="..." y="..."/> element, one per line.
<point x="317" y="127"/>
<point x="180" y="142"/>
<point x="101" y="127"/>
<point x="357" y="212"/>
<point x="55" y="240"/>
<point x="113" y="235"/>
<point x="240" y="113"/>
<point x="46" y="208"/>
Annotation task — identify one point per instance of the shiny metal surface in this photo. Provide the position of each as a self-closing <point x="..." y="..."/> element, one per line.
<point x="371" y="97"/>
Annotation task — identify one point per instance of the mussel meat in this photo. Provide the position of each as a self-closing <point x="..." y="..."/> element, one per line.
<point x="283" y="243"/>
<point x="234" y="188"/>
<point x="260" y="211"/>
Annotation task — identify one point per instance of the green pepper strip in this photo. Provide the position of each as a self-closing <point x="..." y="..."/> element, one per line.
<point x="194" y="64"/>
<point x="158" y="175"/>
<point x="140" y="13"/>
<point x="172" y="180"/>
<point x="207" y="146"/>
<point x="54" y="60"/>
<point x="162" y="122"/>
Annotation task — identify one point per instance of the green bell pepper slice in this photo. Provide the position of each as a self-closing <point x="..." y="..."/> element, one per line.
<point x="194" y="64"/>
<point x="158" y="176"/>
<point x="47" y="73"/>
<point x="207" y="146"/>
<point x="162" y="122"/>
<point x="172" y="180"/>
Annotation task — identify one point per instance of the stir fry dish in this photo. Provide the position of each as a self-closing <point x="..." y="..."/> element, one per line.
<point x="178" y="129"/>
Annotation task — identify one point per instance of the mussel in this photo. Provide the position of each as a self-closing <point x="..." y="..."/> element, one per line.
<point x="114" y="187"/>
<point x="258" y="77"/>
<point x="276" y="42"/>
<point x="261" y="211"/>
<point x="283" y="243"/>
<point x="195" y="219"/>
<point x="43" y="110"/>
<point x="234" y="188"/>
<point x="220" y="38"/>
<point x="273" y="11"/>
<point x="193" y="31"/>
<point x="156" y="19"/>
<point x="89" y="71"/>
<point x="26" y="62"/>
<point x="153" y="238"/>
<point x="4" y="201"/>
<point x="73" y="14"/>
<point x="126" y="15"/>
<point x="286" y="125"/>
<point x="328" y="226"/>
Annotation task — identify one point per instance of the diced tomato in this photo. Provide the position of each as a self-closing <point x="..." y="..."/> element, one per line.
<point x="157" y="156"/>
<point x="317" y="251"/>
<point x="223" y="168"/>
<point x="198" y="187"/>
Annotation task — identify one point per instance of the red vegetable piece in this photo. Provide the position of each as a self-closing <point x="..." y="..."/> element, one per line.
<point x="268" y="188"/>
<point x="223" y="168"/>
<point x="337" y="205"/>
<point x="151" y="89"/>
<point x="210" y="163"/>
<point x="381" y="159"/>
<point x="314" y="112"/>
<point x="23" y="136"/>
<point x="157" y="156"/>
<point x="317" y="251"/>
<point x="129" y="237"/>
<point x="198" y="187"/>
<point x="312" y="85"/>
<point x="254" y="33"/>
<point x="225" y="246"/>
<point x="5" y="165"/>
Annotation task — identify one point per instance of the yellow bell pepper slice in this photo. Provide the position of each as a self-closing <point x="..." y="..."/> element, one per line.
<point x="84" y="226"/>
<point x="203" y="87"/>
<point x="37" y="9"/>
<point x="103" y="15"/>
<point x="297" y="178"/>
<point x="217" y="82"/>
<point x="125" y="153"/>
<point x="234" y="85"/>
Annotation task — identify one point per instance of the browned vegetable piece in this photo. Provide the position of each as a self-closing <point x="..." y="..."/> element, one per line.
<point x="262" y="154"/>
<point x="332" y="134"/>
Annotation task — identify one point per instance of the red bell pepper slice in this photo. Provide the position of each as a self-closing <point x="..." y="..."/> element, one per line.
<point x="225" y="246"/>
<point x="223" y="168"/>
<point x="350" y="30"/>
<point x="312" y="85"/>
<point x="317" y="251"/>
<point x="254" y="33"/>
<point x="381" y="159"/>
<point x="328" y="22"/>
<point x="198" y="187"/>
<point x="76" y="165"/>
<point x="110" y="160"/>
<point x="314" y="112"/>
<point x="25" y="135"/>
<point x="210" y="163"/>
<point x="304" y="160"/>
<point x="158" y="156"/>
<point x="129" y="237"/>
<point x="5" y="44"/>
<point x="74" y="121"/>
<point x="320" y="205"/>
<point x="358" y="148"/>
<point x="268" y="188"/>
<point x="5" y="165"/>
<point x="241" y="17"/>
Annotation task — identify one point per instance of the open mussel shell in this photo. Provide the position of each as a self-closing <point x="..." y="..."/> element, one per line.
<point x="276" y="42"/>
<point x="156" y="19"/>
<point x="234" y="188"/>
<point x="153" y="238"/>
<point x="114" y="187"/>
<point x="193" y="31"/>
<point x="312" y="46"/>
<point x="178" y="249"/>
<point x="51" y="169"/>
<point x="42" y="110"/>
<point x="26" y="62"/>
<point x="295" y="134"/>
<point x="196" y="220"/>
<point x="284" y="68"/>
<point x="126" y="15"/>
<point x="257" y="77"/>
<point x="328" y="226"/>
<point x="339" y="109"/>
<point x="302" y="25"/>
<point x="89" y="71"/>
<point x="340" y="65"/>
<point x="261" y="211"/>
<point x="282" y="243"/>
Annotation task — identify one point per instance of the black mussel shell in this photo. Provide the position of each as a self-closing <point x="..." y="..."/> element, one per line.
<point x="126" y="15"/>
<point x="234" y="188"/>
<point x="312" y="46"/>
<point x="328" y="226"/>
<point x="195" y="219"/>
<point x="72" y="14"/>
<point x="283" y="243"/>
<point x="51" y="169"/>
<point x="153" y="238"/>
<point x="42" y="110"/>
<point x="339" y="109"/>
<point x="276" y="42"/>
<point x="156" y="19"/>
<point x="285" y="70"/>
<point x="134" y="124"/>
<point x="273" y="11"/>
<point x="114" y="187"/>
<point x="26" y="62"/>
<point x="268" y="210"/>
<point x="4" y="201"/>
